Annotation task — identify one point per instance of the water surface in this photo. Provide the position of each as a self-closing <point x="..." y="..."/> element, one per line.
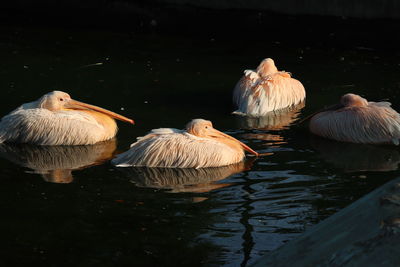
<point x="70" y="206"/>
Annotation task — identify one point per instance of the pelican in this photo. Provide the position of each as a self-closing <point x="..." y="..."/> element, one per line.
<point x="199" y="146"/>
<point x="56" y="119"/>
<point x="266" y="89"/>
<point x="356" y="120"/>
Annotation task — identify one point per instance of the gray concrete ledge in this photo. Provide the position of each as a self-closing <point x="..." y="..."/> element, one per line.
<point x="366" y="233"/>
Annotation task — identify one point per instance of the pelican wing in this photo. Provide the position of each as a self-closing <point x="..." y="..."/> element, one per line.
<point x="275" y="92"/>
<point x="158" y="131"/>
<point x="373" y="124"/>
<point x="181" y="150"/>
<point x="281" y="91"/>
<point x="246" y="82"/>
<point x="380" y="104"/>
<point x="44" y="127"/>
<point x="165" y="131"/>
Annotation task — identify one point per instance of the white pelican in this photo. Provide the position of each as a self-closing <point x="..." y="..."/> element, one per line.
<point x="56" y="119"/>
<point x="266" y="89"/>
<point x="356" y="120"/>
<point x="199" y="146"/>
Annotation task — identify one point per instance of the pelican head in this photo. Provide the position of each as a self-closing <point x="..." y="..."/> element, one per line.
<point x="203" y="128"/>
<point x="58" y="100"/>
<point x="352" y="100"/>
<point x="266" y="67"/>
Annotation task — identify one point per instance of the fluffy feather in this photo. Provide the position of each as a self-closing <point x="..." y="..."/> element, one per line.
<point x="269" y="90"/>
<point x="56" y="119"/>
<point x="172" y="148"/>
<point x="182" y="150"/>
<point x="370" y="123"/>
<point x="44" y="127"/>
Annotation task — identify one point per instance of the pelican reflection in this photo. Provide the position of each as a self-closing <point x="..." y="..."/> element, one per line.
<point x="56" y="163"/>
<point x="269" y="125"/>
<point x="185" y="179"/>
<point x="274" y="120"/>
<point x="353" y="157"/>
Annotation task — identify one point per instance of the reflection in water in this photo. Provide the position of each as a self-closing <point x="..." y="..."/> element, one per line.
<point x="357" y="157"/>
<point x="55" y="163"/>
<point x="104" y="220"/>
<point x="274" y="121"/>
<point x="185" y="180"/>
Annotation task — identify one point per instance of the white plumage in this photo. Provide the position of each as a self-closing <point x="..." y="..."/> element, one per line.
<point x="56" y="119"/>
<point x="266" y="89"/>
<point x="199" y="146"/>
<point x="358" y="121"/>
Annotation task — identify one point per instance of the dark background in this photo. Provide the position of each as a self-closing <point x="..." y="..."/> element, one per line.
<point x="189" y="51"/>
<point x="375" y="22"/>
<point x="189" y="15"/>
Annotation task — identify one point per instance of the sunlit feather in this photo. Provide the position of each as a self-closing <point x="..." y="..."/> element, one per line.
<point x="56" y="119"/>
<point x="266" y="89"/>
<point x="358" y="121"/>
<point x="199" y="146"/>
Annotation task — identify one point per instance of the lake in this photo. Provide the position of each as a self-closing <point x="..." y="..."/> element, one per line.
<point x="68" y="206"/>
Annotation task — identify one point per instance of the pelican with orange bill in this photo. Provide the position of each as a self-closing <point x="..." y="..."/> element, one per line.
<point x="198" y="146"/>
<point x="56" y="119"/>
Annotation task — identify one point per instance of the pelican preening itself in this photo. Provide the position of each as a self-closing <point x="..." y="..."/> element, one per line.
<point x="199" y="146"/>
<point x="266" y="89"/>
<point x="356" y="120"/>
<point x="56" y="119"/>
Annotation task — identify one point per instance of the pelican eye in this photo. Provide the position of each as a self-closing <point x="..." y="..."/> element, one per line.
<point x="61" y="99"/>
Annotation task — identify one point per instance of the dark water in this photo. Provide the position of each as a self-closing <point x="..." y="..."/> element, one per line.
<point x="70" y="207"/>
